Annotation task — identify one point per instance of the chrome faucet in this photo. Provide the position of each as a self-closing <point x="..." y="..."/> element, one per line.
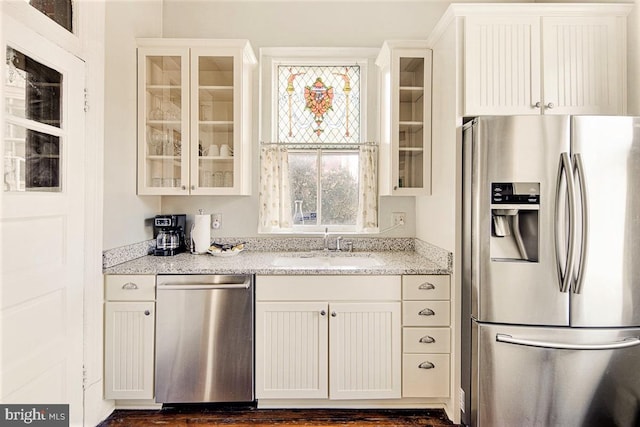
<point x="326" y="238"/>
<point x="338" y="241"/>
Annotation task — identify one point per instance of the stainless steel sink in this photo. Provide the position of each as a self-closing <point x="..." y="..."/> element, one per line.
<point x="322" y="260"/>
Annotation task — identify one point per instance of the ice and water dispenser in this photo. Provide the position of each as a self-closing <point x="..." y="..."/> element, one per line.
<point x="515" y="208"/>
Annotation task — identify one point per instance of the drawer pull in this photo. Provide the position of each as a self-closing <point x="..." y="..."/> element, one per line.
<point x="426" y="365"/>
<point x="426" y="286"/>
<point x="427" y="339"/>
<point x="130" y="286"/>
<point x="426" y="312"/>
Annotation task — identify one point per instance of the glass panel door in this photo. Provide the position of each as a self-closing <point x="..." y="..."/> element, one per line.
<point x="215" y="103"/>
<point x="33" y="134"/>
<point x="411" y="123"/>
<point x="163" y="118"/>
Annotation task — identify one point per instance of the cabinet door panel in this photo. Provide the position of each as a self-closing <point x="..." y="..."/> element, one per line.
<point x="129" y="345"/>
<point x="163" y="114"/>
<point x="291" y="350"/>
<point x="580" y="65"/>
<point x="365" y="350"/>
<point x="502" y="65"/>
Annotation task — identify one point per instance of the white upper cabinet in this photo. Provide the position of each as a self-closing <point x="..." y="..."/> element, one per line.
<point x="544" y="60"/>
<point x="405" y="121"/>
<point x="194" y="116"/>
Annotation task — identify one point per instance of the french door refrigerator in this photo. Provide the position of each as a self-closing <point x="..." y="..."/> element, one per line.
<point x="551" y="271"/>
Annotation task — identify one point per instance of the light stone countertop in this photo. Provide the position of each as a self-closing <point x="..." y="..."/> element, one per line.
<point x="257" y="262"/>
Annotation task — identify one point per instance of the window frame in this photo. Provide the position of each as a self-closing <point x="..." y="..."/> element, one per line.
<point x="272" y="58"/>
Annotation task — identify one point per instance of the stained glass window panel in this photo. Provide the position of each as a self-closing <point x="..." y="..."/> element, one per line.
<point x="318" y="103"/>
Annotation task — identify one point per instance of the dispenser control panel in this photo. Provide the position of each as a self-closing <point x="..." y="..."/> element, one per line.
<point x="515" y="193"/>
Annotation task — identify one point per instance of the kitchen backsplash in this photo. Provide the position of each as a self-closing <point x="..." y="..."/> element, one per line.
<point x="438" y="255"/>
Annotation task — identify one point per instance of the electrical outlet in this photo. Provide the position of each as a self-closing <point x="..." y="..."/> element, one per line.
<point x="399" y="219"/>
<point x="216" y="221"/>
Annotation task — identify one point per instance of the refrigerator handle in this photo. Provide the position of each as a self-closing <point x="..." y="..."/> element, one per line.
<point x="627" y="342"/>
<point x="584" y="205"/>
<point x="565" y="167"/>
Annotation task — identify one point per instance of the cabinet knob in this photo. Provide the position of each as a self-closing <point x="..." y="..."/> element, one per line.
<point x="184" y="187"/>
<point x="193" y="187"/>
<point x="129" y="286"/>
<point x="549" y="105"/>
<point x="323" y="313"/>
<point x="426" y="365"/>
<point x="334" y="314"/>
<point x="537" y="105"/>
<point x="147" y="312"/>
<point x="426" y="312"/>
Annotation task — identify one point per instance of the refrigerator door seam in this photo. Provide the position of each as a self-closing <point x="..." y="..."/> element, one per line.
<point x="627" y="342"/>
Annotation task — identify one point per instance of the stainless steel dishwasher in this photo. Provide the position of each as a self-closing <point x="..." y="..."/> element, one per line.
<point x="204" y="338"/>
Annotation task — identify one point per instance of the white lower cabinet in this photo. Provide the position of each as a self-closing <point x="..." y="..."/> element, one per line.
<point x="426" y="336"/>
<point x="341" y="340"/>
<point x="129" y="337"/>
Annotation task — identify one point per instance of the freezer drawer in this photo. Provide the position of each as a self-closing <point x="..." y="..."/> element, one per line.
<point x="530" y="376"/>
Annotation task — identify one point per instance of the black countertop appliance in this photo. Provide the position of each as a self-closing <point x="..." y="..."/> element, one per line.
<point x="169" y="232"/>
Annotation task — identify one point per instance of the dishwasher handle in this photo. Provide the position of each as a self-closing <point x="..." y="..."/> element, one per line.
<point x="203" y="285"/>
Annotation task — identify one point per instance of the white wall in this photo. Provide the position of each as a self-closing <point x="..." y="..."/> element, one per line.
<point x="264" y="24"/>
<point x="124" y="211"/>
<point x="294" y="24"/>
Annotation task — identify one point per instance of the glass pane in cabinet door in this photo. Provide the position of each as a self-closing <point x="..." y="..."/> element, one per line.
<point x="163" y="110"/>
<point x="215" y="121"/>
<point x="411" y="122"/>
<point x="33" y="131"/>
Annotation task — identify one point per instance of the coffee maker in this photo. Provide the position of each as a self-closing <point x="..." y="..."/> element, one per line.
<point x="168" y="230"/>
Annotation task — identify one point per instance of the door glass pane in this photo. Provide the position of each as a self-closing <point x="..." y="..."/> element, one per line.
<point x="215" y="121"/>
<point x="411" y="123"/>
<point x="61" y="11"/>
<point x="32" y="146"/>
<point x="163" y="110"/>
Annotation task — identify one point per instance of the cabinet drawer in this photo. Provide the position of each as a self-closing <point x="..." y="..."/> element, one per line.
<point x="130" y="287"/>
<point x="425" y="375"/>
<point x="426" y="340"/>
<point x="425" y="313"/>
<point x="431" y="287"/>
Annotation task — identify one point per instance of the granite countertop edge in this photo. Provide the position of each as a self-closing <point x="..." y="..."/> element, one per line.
<point x="254" y="262"/>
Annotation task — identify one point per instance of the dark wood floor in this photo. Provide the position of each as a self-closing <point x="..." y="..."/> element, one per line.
<point x="247" y="416"/>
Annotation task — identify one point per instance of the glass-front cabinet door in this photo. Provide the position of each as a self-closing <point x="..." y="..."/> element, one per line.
<point x="194" y="119"/>
<point x="163" y="140"/>
<point x="215" y="99"/>
<point x="406" y="121"/>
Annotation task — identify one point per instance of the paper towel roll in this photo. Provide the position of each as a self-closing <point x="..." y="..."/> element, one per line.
<point x="200" y="233"/>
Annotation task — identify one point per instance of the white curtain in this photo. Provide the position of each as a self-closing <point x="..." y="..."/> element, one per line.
<point x="367" y="215"/>
<point x="275" y="199"/>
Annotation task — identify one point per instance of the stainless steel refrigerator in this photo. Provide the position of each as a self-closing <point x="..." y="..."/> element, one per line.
<point x="551" y="271"/>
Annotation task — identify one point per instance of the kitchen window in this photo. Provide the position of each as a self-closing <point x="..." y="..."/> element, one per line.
<point x="318" y="170"/>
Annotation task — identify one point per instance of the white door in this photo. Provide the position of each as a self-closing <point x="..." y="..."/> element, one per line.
<point x="41" y="222"/>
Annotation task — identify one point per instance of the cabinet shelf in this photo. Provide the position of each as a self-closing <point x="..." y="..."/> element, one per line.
<point x="216" y="158"/>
